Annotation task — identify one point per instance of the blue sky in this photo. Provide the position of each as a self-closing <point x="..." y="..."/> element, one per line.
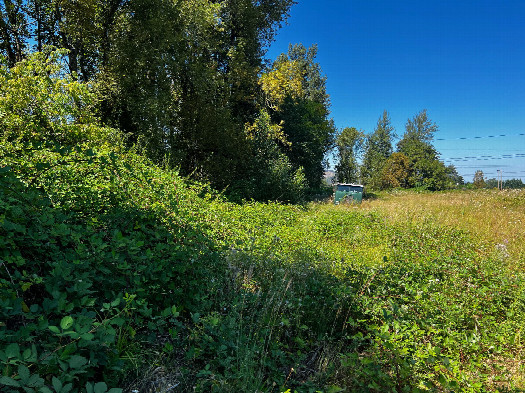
<point x="463" y="61"/>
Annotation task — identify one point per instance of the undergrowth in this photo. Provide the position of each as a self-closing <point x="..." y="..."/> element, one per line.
<point x="118" y="275"/>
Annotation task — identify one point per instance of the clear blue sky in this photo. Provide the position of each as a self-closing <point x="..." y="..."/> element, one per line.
<point x="463" y="61"/>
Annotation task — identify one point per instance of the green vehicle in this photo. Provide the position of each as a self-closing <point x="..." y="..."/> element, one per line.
<point x="348" y="193"/>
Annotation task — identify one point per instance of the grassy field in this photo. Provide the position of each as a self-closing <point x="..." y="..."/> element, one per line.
<point x="497" y="217"/>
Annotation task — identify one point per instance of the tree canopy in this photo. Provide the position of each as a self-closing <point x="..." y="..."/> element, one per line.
<point x="179" y="78"/>
<point x="349" y="144"/>
<point x="377" y="150"/>
<point x="295" y="91"/>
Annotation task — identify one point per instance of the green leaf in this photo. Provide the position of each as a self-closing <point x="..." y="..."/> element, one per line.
<point x="57" y="384"/>
<point x="87" y="336"/>
<point x="35" y="381"/>
<point x="23" y="372"/>
<point x="66" y="322"/>
<point x="12" y="351"/>
<point x="101" y="387"/>
<point x="9" y="382"/>
<point x="77" y="361"/>
<point x="54" y="329"/>
<point x="27" y="354"/>
<point x="118" y="321"/>
<point x="334" y="389"/>
<point x="115" y="390"/>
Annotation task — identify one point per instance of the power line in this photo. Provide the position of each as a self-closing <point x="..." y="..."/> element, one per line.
<point x="478" y="137"/>
<point x="485" y="157"/>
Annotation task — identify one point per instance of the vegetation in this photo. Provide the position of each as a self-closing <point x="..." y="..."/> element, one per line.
<point x="349" y="145"/>
<point x="119" y="271"/>
<point x="378" y="149"/>
<point x="181" y="80"/>
<point x="414" y="164"/>
<point x="296" y="92"/>
<point x="118" y="274"/>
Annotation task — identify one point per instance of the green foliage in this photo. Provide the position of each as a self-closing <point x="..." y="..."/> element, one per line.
<point x="178" y="78"/>
<point x="479" y="180"/>
<point x="396" y="172"/>
<point x="349" y="145"/>
<point x="377" y="150"/>
<point x="296" y="91"/>
<point x="119" y="275"/>
<point x="107" y="257"/>
<point x="39" y="103"/>
<point x="426" y="171"/>
<point x="271" y="176"/>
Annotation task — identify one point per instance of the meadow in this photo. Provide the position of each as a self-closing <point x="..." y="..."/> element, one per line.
<point x="120" y="276"/>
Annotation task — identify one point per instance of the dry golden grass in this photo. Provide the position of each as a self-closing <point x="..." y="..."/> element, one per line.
<point x="496" y="217"/>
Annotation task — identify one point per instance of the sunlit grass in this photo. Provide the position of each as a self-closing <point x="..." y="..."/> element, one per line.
<point x="496" y="217"/>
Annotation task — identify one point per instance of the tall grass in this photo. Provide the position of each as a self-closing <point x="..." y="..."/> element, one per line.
<point x="497" y="217"/>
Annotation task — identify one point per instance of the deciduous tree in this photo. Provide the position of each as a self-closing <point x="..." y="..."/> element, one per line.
<point x="378" y="148"/>
<point x="296" y="91"/>
<point x="349" y="144"/>
<point x="426" y="169"/>
<point x="479" y="179"/>
<point x="396" y="172"/>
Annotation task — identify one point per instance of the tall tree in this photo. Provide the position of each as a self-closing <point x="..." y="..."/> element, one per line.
<point x="426" y="169"/>
<point x="349" y="144"/>
<point x="13" y="30"/>
<point x="178" y="77"/>
<point x="378" y="148"/>
<point x="479" y="179"/>
<point x="455" y="178"/>
<point x="296" y="92"/>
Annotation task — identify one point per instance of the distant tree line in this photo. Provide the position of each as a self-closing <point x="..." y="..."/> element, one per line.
<point x="188" y="84"/>
<point x="372" y="160"/>
<point x="479" y="181"/>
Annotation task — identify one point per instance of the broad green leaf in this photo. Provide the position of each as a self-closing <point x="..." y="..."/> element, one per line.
<point x="101" y="387"/>
<point x="54" y="329"/>
<point x="77" y="361"/>
<point x="66" y="322"/>
<point x="87" y="336"/>
<point x="23" y="372"/>
<point x="27" y="354"/>
<point x="35" y="381"/>
<point x="12" y="351"/>
<point x="57" y="384"/>
<point x="9" y="382"/>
